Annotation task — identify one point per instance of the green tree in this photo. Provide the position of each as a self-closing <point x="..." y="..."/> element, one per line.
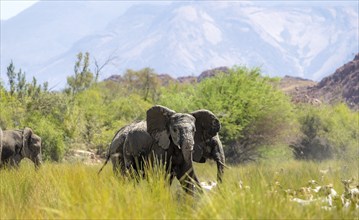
<point x="252" y="111"/>
<point x="21" y="86"/>
<point x="11" y="76"/>
<point x="144" y="82"/>
<point x="82" y="78"/>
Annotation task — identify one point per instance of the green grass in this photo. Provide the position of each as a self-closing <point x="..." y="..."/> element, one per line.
<point x="75" y="191"/>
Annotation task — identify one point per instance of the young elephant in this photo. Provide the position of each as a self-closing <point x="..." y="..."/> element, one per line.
<point x="18" y="144"/>
<point x="120" y="157"/>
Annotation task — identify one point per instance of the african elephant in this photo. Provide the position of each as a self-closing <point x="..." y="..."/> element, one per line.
<point x="116" y="152"/>
<point x="174" y="138"/>
<point x="18" y="144"/>
<point x="207" y="142"/>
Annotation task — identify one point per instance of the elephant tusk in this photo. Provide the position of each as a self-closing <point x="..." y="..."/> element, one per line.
<point x="224" y="165"/>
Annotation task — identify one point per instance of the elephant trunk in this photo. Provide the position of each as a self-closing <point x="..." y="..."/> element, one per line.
<point x="38" y="161"/>
<point x="219" y="157"/>
<point x="187" y="175"/>
<point x="220" y="165"/>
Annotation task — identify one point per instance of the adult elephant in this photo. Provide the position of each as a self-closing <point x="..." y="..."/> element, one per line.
<point x="174" y="138"/>
<point x="19" y="144"/>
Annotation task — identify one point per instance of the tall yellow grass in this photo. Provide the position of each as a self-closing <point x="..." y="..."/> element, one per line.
<point x="75" y="191"/>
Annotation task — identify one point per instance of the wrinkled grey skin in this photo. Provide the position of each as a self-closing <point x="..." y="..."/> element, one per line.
<point x="174" y="138"/>
<point x="19" y="144"/>
<point x="207" y="142"/>
<point x="137" y="146"/>
<point x="116" y="151"/>
<point x="211" y="149"/>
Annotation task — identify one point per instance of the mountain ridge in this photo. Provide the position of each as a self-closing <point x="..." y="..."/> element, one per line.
<point x="340" y="86"/>
<point x="185" y="38"/>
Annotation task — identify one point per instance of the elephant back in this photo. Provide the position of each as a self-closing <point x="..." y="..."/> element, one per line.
<point x="138" y="141"/>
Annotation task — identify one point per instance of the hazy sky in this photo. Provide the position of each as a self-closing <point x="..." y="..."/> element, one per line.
<point x="10" y="8"/>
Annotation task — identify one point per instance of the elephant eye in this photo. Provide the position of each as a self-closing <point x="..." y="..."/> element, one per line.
<point x="175" y="130"/>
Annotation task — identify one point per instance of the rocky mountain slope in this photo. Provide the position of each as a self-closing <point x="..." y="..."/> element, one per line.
<point x="182" y="38"/>
<point x="343" y="85"/>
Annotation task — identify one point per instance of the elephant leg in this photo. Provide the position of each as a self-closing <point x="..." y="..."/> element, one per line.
<point x="116" y="165"/>
<point x="138" y="167"/>
<point x="122" y="166"/>
<point x="133" y="166"/>
<point x="219" y="171"/>
<point x="171" y="177"/>
<point x="189" y="181"/>
<point x="217" y="155"/>
<point x="5" y="164"/>
<point x="14" y="162"/>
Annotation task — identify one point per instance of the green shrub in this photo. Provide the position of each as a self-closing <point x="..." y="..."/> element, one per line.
<point x="251" y="110"/>
<point x="52" y="137"/>
<point x="326" y="132"/>
<point x="179" y="97"/>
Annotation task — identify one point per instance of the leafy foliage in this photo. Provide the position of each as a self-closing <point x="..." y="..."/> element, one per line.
<point x="255" y="116"/>
<point x="252" y="112"/>
<point x="83" y="77"/>
<point x="326" y="132"/>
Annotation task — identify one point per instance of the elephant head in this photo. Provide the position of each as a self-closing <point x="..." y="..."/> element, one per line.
<point x="31" y="147"/>
<point x="207" y="142"/>
<point x="168" y="127"/>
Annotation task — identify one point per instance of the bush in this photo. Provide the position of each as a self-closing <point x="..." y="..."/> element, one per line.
<point x="251" y="110"/>
<point x="326" y="132"/>
<point x="179" y="97"/>
<point x="52" y="137"/>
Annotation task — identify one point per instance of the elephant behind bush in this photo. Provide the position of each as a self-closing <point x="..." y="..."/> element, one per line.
<point x="18" y="144"/>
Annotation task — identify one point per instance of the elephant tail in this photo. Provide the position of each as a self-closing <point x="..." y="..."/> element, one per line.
<point x="107" y="159"/>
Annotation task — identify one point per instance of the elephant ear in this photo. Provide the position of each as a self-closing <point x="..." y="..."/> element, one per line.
<point x="26" y="138"/>
<point x="207" y="124"/>
<point x="157" y="124"/>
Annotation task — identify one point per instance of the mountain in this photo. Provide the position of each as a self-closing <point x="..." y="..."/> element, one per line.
<point x="301" y="39"/>
<point x="342" y="85"/>
<point x="49" y="28"/>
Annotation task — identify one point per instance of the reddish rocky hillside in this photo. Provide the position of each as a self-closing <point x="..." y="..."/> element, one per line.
<point x="297" y="88"/>
<point x="342" y="85"/>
